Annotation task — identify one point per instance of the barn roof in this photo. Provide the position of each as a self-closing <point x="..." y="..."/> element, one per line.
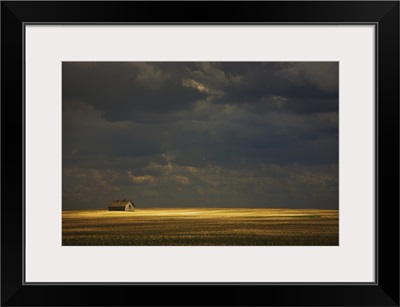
<point x="120" y="203"/>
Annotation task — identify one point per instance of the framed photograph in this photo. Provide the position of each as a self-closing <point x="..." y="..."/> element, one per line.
<point x="241" y="146"/>
<point x="200" y="153"/>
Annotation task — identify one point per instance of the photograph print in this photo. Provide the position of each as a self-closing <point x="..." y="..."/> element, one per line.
<point x="200" y="153"/>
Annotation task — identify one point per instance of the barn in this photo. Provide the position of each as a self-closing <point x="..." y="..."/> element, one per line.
<point x="122" y="205"/>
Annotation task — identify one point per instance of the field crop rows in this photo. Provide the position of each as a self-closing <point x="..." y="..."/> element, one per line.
<point x="215" y="227"/>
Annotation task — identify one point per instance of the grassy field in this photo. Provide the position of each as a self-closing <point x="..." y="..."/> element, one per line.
<point x="224" y="227"/>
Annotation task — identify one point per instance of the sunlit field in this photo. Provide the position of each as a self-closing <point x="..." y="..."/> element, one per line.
<point x="224" y="227"/>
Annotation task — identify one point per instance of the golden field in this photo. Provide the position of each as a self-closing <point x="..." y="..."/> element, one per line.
<point x="201" y="226"/>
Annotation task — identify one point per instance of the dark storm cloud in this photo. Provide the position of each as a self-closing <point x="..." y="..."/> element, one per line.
<point x="126" y="91"/>
<point x="301" y="82"/>
<point x="214" y="134"/>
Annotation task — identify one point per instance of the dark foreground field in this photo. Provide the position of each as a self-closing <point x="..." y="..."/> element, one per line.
<point x="201" y="227"/>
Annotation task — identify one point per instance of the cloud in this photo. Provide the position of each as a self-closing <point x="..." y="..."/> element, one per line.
<point x="194" y="84"/>
<point x="182" y="179"/>
<point x="268" y="185"/>
<point x="210" y="73"/>
<point x="279" y="101"/>
<point x="200" y="134"/>
<point x="150" y="75"/>
<point x="88" y="187"/>
<point x="127" y="91"/>
<point x="323" y="76"/>
<point x="140" y="179"/>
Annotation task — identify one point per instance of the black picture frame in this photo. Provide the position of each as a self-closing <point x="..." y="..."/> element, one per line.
<point x="383" y="14"/>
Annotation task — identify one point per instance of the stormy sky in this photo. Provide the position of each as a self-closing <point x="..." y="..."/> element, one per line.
<point x="200" y="134"/>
